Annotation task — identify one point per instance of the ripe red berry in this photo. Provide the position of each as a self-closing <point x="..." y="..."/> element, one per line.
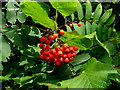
<point x="64" y="55"/>
<point x="53" y="51"/>
<point x="61" y="59"/>
<point x="60" y="53"/>
<point x="74" y="54"/>
<point x="71" y="59"/>
<point x="66" y="60"/>
<point x="41" y="51"/>
<point x="71" y="48"/>
<point x="69" y="55"/>
<point x="43" y="39"/>
<point x="75" y="48"/>
<point x="57" y="48"/>
<point x="51" y="37"/>
<point x="48" y="42"/>
<point x="70" y="25"/>
<point x="79" y="24"/>
<point x="55" y="35"/>
<point x="67" y="50"/>
<point x="58" y="63"/>
<point x="41" y="45"/>
<point x="42" y="56"/>
<point x="61" y="32"/>
<point x="47" y="46"/>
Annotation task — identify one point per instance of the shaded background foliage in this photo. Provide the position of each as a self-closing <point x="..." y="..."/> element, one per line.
<point x="24" y="70"/>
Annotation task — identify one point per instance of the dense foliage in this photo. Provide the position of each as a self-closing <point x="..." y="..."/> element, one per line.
<point x="97" y="64"/>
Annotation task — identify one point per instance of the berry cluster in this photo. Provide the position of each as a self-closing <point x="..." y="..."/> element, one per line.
<point x="79" y="24"/>
<point x="61" y="54"/>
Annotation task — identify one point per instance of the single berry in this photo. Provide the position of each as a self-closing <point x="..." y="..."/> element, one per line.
<point x="79" y="24"/>
<point x="41" y="51"/>
<point x="67" y="50"/>
<point x="53" y="51"/>
<point x="41" y="45"/>
<point x="70" y="25"/>
<point x="71" y="59"/>
<point x="75" y="48"/>
<point x="61" y="32"/>
<point x="43" y="39"/>
<point x="69" y="55"/>
<point x="58" y="63"/>
<point x="42" y="56"/>
<point x="47" y="46"/>
<point x="74" y="54"/>
<point x="60" y="53"/>
<point x="71" y="48"/>
<point x="66" y="60"/>
<point x="51" y="37"/>
<point x="48" y="42"/>
<point x="57" y="48"/>
<point x="61" y="59"/>
<point x="55" y="35"/>
<point x="64" y="55"/>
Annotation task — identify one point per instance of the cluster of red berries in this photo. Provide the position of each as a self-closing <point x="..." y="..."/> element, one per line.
<point x="79" y="24"/>
<point x="60" y="54"/>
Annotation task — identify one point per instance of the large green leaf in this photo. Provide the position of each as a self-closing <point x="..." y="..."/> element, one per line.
<point x="88" y="11"/>
<point x="65" y="7"/>
<point x="21" y="17"/>
<point x="111" y="20"/>
<point x="74" y="39"/>
<point x="88" y="27"/>
<point x="80" y="59"/>
<point x="80" y="11"/>
<point x="4" y="49"/>
<point x="11" y="16"/>
<point x="98" y="12"/>
<point x="105" y="16"/>
<point x="39" y="13"/>
<point x="94" y="75"/>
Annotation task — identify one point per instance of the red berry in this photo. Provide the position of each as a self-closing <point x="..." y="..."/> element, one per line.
<point x="41" y="51"/>
<point x="43" y="39"/>
<point x="71" y="48"/>
<point x="47" y="46"/>
<point x="70" y="25"/>
<point x="48" y="42"/>
<point x="71" y="59"/>
<point x="51" y="37"/>
<point x="53" y="51"/>
<point x="62" y="49"/>
<point x="61" y="32"/>
<point x="79" y="24"/>
<point x="64" y="55"/>
<point x="61" y="59"/>
<point x="55" y="35"/>
<point x="67" y="50"/>
<point x="74" y="54"/>
<point x="42" y="56"/>
<point x="60" y="53"/>
<point x="65" y="45"/>
<point x="41" y="45"/>
<point x="58" y="63"/>
<point x="69" y="55"/>
<point x="57" y="48"/>
<point x="75" y="48"/>
<point x="66" y="60"/>
<point x="45" y="52"/>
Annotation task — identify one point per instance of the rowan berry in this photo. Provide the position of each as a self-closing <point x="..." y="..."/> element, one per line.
<point x="66" y="60"/>
<point x="79" y="24"/>
<point x="75" y="48"/>
<point x="43" y="39"/>
<point x="55" y="35"/>
<point x="61" y="32"/>
<point x="58" y="63"/>
<point x="70" y="25"/>
<point x="51" y="37"/>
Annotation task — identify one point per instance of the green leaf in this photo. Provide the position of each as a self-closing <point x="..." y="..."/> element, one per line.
<point x="65" y="7"/>
<point x="105" y="33"/>
<point x="72" y="17"/>
<point x="110" y="20"/>
<point x="21" y="17"/>
<point x="88" y="27"/>
<point x="4" y="49"/>
<point x="68" y="28"/>
<point x="105" y="16"/>
<point x="116" y="59"/>
<point x="94" y="75"/>
<point x="98" y="12"/>
<point x="111" y="47"/>
<point x="99" y="31"/>
<point x="25" y="79"/>
<point x="106" y="59"/>
<point x="39" y="13"/>
<point x="93" y="27"/>
<point x="88" y="11"/>
<point x="74" y="39"/>
<point x="11" y="4"/>
<point x="11" y="16"/>
<point x="80" y="11"/>
<point x="80" y="30"/>
<point x="80" y="59"/>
